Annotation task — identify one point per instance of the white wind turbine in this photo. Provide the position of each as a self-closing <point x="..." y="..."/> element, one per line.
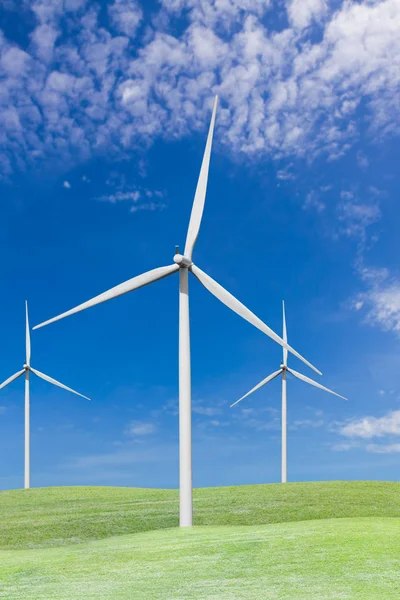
<point x="28" y="369"/>
<point x="183" y="264"/>
<point x="282" y="371"/>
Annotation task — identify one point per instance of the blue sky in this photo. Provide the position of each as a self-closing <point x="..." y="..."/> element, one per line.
<point x="104" y="114"/>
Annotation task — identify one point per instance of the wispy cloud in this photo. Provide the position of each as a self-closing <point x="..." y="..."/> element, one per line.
<point x="120" y="197"/>
<point x="357" y="216"/>
<point x="307" y="423"/>
<point x="313" y="201"/>
<point x="151" y="206"/>
<point x="67" y="185"/>
<point x="381" y="300"/>
<point x="262" y="419"/>
<point x="362" y="160"/>
<point x="205" y="411"/>
<point x="344" y="446"/>
<point x="383" y="449"/>
<point x="285" y="175"/>
<point x="140" y="428"/>
<point x="199" y="408"/>
<point x="126" y="456"/>
<point x="137" y="197"/>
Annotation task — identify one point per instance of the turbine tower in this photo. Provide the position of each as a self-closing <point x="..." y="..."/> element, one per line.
<point x="27" y="370"/>
<point x="184" y="264"/>
<point x="282" y="371"/>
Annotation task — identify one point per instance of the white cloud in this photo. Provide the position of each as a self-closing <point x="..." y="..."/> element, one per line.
<point x="362" y="160"/>
<point x="314" y="202"/>
<point x="381" y="301"/>
<point x="65" y="98"/>
<point x="302" y="12"/>
<point x="139" y="199"/>
<point x="369" y="427"/>
<point x="67" y="185"/>
<point x="307" y="423"/>
<point x="252" y="418"/>
<point x="345" y="446"/>
<point x="356" y="216"/>
<point x="284" y="175"/>
<point x="43" y="40"/>
<point x="383" y="449"/>
<point x="140" y="428"/>
<point x="358" y="304"/>
<point x="126" y="16"/>
<point x="120" y="197"/>
<point x="247" y="411"/>
<point x="207" y="411"/>
<point x="385" y="306"/>
<point x="151" y="206"/>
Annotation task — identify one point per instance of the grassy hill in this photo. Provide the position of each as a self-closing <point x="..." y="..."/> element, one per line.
<point x="305" y="560"/>
<point x="296" y="541"/>
<point x="64" y="515"/>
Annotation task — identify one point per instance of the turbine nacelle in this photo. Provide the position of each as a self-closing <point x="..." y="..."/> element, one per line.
<point x="182" y="261"/>
<point x="26" y="367"/>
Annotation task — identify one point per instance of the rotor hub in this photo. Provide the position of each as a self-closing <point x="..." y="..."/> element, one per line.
<point x="182" y="261"/>
<point x="26" y="367"/>
<point x="283" y="367"/>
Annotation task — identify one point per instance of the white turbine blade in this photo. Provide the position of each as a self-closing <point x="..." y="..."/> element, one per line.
<point x="200" y="195"/>
<point x="226" y="298"/>
<point x="55" y="382"/>
<point x="27" y="336"/>
<point x="12" y="378"/>
<point x="128" y="286"/>
<point x="312" y="382"/>
<point x="257" y="387"/>
<point x="284" y="334"/>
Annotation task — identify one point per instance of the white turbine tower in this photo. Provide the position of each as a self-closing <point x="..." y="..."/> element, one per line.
<point x="27" y="370"/>
<point x="183" y="264"/>
<point x="282" y="371"/>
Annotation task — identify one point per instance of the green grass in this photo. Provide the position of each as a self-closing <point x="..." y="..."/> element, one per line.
<point x="314" y="560"/>
<point x="58" y="516"/>
<point x="300" y="541"/>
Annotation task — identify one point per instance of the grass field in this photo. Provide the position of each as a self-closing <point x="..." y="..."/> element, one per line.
<point x="296" y="541"/>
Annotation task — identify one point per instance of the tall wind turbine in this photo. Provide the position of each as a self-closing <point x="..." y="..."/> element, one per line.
<point x="183" y="264"/>
<point x="28" y="369"/>
<point x="282" y="371"/>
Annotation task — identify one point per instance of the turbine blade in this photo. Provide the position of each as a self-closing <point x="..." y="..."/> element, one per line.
<point x="27" y="336"/>
<point x="128" y="286"/>
<point x="257" y="387"/>
<point x="55" y="382"/>
<point x="312" y="382"/>
<point x="200" y="195"/>
<point x="226" y="298"/>
<point x="284" y="335"/>
<point x="12" y="378"/>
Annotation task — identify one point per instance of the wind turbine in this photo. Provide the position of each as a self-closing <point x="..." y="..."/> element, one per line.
<point x="282" y="371"/>
<point x="28" y="369"/>
<point x="183" y="264"/>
